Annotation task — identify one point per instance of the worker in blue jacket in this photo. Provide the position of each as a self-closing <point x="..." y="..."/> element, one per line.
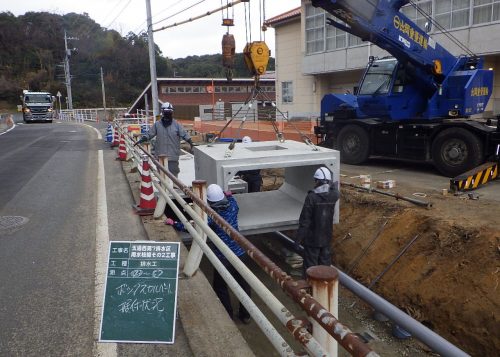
<point x="227" y="207"/>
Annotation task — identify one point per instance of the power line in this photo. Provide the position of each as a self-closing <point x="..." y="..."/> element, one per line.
<point x="179" y="12"/>
<point x="141" y="26"/>
<point x="119" y="13"/>
<point x="208" y="13"/>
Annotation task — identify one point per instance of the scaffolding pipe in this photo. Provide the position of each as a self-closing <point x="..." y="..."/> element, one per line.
<point x="437" y="343"/>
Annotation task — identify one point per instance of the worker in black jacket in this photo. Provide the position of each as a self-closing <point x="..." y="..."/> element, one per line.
<point x="316" y="220"/>
<point x="253" y="178"/>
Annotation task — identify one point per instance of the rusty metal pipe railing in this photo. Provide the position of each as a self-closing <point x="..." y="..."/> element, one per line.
<point x="295" y="325"/>
<point x="283" y="348"/>
<point x="424" y="334"/>
<point x="344" y="336"/>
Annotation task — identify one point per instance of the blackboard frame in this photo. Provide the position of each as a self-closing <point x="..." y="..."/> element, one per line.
<point x="137" y="303"/>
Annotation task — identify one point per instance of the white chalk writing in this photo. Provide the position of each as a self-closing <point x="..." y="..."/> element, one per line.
<point x="144" y="289"/>
<point x="141" y="305"/>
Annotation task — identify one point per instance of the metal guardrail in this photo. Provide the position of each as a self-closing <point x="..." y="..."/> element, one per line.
<point x="164" y="183"/>
<point x="88" y="114"/>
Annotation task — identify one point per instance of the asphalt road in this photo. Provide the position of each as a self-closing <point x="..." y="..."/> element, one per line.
<point x="52" y="253"/>
<point x="47" y="264"/>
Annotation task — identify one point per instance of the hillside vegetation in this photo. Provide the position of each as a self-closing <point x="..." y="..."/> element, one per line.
<point x="32" y="53"/>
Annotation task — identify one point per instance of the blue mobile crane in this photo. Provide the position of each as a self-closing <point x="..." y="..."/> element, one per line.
<point x="415" y="104"/>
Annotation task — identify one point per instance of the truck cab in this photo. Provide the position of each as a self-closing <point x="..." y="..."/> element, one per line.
<point x="37" y="107"/>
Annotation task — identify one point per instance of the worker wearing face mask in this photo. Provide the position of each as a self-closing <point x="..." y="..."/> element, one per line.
<point x="168" y="134"/>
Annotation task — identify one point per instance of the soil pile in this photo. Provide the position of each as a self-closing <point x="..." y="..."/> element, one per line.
<point x="448" y="279"/>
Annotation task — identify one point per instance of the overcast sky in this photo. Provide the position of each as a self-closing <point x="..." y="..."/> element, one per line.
<point x="200" y="37"/>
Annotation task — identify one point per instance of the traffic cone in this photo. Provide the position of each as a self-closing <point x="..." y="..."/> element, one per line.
<point x="122" y="151"/>
<point x="147" y="204"/>
<point x="109" y="133"/>
<point x="115" y="141"/>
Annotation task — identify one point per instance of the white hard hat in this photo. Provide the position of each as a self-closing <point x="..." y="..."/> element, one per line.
<point x="214" y="193"/>
<point x="323" y="174"/>
<point x="246" y="140"/>
<point x="167" y="107"/>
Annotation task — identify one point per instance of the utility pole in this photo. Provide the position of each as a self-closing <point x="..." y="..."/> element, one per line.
<point x="66" y="68"/>
<point x="152" y="62"/>
<point x="103" y="97"/>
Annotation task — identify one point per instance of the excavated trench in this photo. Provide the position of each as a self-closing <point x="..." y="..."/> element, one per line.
<point x="448" y="279"/>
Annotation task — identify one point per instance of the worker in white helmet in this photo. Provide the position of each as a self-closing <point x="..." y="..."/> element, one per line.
<point x="226" y="206"/>
<point x="316" y="220"/>
<point x="253" y="178"/>
<point x="168" y="132"/>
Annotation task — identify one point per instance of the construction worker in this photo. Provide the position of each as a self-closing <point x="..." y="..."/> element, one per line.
<point x="316" y="220"/>
<point x="168" y="134"/>
<point x="252" y="177"/>
<point x="226" y="206"/>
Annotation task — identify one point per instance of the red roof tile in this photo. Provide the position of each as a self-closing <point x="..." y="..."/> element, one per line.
<point x="283" y="17"/>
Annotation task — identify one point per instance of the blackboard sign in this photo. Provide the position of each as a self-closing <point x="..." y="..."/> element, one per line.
<point x="140" y="296"/>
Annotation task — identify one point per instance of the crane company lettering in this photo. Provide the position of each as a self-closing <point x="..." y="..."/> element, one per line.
<point x="141" y="292"/>
<point x="409" y="31"/>
<point x="479" y="91"/>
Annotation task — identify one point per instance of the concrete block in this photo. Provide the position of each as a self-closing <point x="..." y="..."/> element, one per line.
<point x="267" y="211"/>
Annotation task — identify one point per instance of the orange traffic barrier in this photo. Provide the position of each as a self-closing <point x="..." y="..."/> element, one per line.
<point x="122" y="151"/>
<point x="147" y="203"/>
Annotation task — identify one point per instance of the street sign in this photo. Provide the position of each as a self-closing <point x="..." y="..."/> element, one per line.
<point x="59" y="94"/>
<point x="140" y="295"/>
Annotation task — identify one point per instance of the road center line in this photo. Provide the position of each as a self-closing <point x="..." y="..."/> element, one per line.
<point x="101" y="246"/>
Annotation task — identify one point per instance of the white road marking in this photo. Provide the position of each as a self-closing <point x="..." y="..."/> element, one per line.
<point x="99" y="136"/>
<point x="6" y="131"/>
<point x="101" y="246"/>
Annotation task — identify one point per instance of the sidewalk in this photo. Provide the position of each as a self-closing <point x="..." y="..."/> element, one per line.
<point x="203" y="327"/>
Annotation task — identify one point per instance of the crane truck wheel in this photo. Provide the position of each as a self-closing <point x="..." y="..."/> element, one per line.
<point x="354" y="144"/>
<point x="455" y="151"/>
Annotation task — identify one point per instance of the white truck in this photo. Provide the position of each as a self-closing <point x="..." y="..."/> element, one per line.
<point x="37" y="106"/>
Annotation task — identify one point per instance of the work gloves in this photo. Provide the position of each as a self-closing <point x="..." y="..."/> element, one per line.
<point x="141" y="140"/>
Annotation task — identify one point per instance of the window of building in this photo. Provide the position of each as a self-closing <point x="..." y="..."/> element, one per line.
<point x="164" y="89"/>
<point x="418" y="16"/>
<point x="172" y="89"/>
<point x="196" y="89"/>
<point x="452" y="13"/>
<point x="353" y="40"/>
<point x="335" y="38"/>
<point x="485" y="11"/>
<point x="287" y="92"/>
<point x="315" y="29"/>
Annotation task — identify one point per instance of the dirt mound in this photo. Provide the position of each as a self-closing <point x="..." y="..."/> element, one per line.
<point x="448" y="279"/>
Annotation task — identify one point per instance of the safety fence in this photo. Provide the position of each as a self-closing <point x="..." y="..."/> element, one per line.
<point x="327" y="330"/>
<point x="317" y="297"/>
<point x="90" y="114"/>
